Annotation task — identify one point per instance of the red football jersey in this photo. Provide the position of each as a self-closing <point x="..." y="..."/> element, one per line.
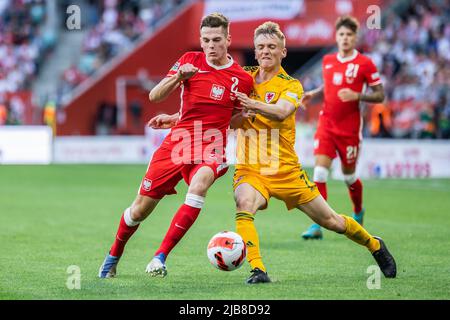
<point x="207" y="100"/>
<point x="352" y="72"/>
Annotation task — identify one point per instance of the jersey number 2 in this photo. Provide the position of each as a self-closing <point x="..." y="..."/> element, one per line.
<point x="352" y="152"/>
<point x="234" y="86"/>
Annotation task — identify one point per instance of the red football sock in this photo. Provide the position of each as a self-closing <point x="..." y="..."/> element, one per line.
<point x="181" y="222"/>
<point x="355" y="191"/>
<point x="123" y="234"/>
<point x="322" y="186"/>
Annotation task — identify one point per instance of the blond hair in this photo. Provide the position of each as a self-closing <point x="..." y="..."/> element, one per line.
<point x="270" y="28"/>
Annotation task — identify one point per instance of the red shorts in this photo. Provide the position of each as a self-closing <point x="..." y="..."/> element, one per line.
<point x="163" y="174"/>
<point x="347" y="147"/>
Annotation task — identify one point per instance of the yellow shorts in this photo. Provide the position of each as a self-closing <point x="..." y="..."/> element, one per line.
<point x="294" y="188"/>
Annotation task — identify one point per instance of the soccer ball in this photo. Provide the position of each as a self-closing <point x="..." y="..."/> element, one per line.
<point x="226" y="251"/>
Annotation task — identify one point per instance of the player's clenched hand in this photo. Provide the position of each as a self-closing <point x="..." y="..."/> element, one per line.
<point x="246" y="102"/>
<point x="248" y="113"/>
<point x="347" y="95"/>
<point x="186" y="71"/>
<point x="162" y="121"/>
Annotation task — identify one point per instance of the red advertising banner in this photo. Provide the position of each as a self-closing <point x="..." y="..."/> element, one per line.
<point x="304" y="22"/>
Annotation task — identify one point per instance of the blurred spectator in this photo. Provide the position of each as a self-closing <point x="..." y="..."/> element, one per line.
<point x="412" y="52"/>
<point x="17" y="110"/>
<point x="106" y="122"/>
<point x="136" y="113"/>
<point x="425" y="126"/>
<point x="49" y="115"/>
<point x="22" y="46"/>
<point x="3" y="111"/>
<point x="115" y="25"/>
<point x="380" y="121"/>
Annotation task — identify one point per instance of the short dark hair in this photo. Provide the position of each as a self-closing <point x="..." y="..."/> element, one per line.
<point x="215" y="20"/>
<point x="348" y="22"/>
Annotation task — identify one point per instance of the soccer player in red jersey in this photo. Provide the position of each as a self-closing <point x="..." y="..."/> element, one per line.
<point x="194" y="149"/>
<point x="345" y="75"/>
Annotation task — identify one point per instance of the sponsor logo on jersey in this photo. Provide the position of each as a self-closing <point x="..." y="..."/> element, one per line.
<point x="337" y="78"/>
<point x="217" y="92"/>
<point x="175" y="66"/>
<point x="292" y="95"/>
<point x="328" y="66"/>
<point x="269" y="97"/>
<point x="147" y="184"/>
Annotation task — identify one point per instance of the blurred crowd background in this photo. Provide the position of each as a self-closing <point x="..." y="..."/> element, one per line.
<point x="412" y="52"/>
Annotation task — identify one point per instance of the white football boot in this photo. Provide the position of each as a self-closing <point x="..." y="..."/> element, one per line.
<point x="156" y="268"/>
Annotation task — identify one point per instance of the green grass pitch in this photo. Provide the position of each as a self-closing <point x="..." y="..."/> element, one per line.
<point x="52" y="217"/>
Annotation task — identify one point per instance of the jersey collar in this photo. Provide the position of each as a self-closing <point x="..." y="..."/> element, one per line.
<point x="229" y="64"/>
<point x="347" y="59"/>
<point x="280" y="71"/>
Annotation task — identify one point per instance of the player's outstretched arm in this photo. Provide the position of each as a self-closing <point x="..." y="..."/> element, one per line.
<point x="164" y="121"/>
<point x="376" y="96"/>
<point x="163" y="89"/>
<point x="309" y="95"/>
<point x="281" y="111"/>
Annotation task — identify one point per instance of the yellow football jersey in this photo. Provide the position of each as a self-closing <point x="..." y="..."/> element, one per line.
<point x="266" y="145"/>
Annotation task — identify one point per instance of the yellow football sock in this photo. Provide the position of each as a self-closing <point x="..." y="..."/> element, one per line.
<point x="355" y="232"/>
<point x="246" y="228"/>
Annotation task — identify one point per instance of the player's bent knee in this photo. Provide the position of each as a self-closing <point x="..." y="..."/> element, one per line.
<point x="350" y="179"/>
<point x="137" y="214"/>
<point x="199" y="187"/>
<point x="129" y="219"/>
<point x="321" y="174"/>
<point x="323" y="161"/>
<point x="201" y="181"/>
<point x="142" y="207"/>
<point x="245" y="204"/>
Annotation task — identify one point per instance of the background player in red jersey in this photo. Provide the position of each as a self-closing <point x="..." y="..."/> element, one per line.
<point x="339" y="129"/>
<point x="194" y="149"/>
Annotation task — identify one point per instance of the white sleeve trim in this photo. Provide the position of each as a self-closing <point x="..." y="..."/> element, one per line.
<point x="375" y="83"/>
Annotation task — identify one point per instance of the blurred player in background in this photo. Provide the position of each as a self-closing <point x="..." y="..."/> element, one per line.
<point x="208" y="81"/>
<point x="275" y="99"/>
<point x="339" y="130"/>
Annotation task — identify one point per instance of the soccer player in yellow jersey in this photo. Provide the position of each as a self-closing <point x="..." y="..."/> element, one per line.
<point x="267" y="164"/>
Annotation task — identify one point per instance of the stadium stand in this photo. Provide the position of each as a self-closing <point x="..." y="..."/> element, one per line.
<point x="24" y="46"/>
<point x="114" y="28"/>
<point x="412" y="51"/>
